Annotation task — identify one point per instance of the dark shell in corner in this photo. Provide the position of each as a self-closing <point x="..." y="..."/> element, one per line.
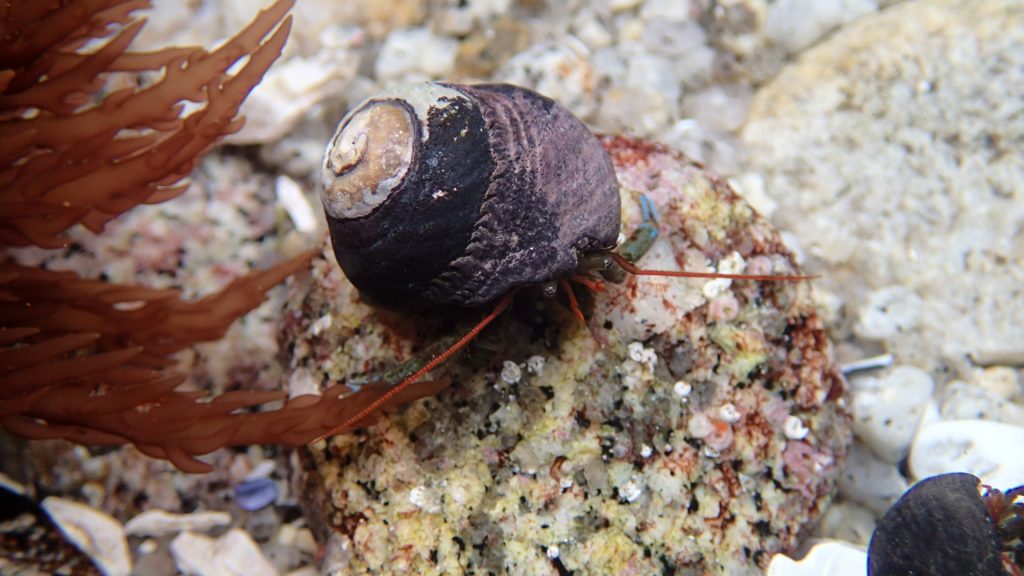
<point x="503" y="188"/>
<point x="940" y="527"/>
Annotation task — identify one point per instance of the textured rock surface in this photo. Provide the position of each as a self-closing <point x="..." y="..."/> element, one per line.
<point x="695" y="425"/>
<point x="893" y="153"/>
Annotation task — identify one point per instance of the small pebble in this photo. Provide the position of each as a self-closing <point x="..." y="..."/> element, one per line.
<point x="233" y="554"/>
<point x="847" y="521"/>
<point x="256" y="493"/>
<point x="887" y="410"/>
<point x="888" y="312"/>
<point x="871" y="482"/>
<point x="1001" y="381"/>
<point x="416" y="52"/>
<point x="825" y="558"/>
<point x="796" y="24"/>
<point x="964" y="401"/>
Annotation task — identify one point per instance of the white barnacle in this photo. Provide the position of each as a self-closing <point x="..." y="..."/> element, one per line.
<point x="729" y="413"/>
<point x="630" y="491"/>
<point x="794" y="428"/>
<point x="535" y="364"/>
<point x="511" y="372"/>
<point x="642" y="355"/>
<point x="425" y="499"/>
<point x="699" y="426"/>
<point x="682" y="389"/>
<point x="731" y="264"/>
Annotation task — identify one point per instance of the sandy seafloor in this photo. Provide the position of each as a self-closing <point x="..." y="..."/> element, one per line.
<point x="883" y="139"/>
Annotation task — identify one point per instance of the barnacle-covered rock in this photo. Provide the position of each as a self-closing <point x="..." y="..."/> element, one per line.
<point x="692" y="425"/>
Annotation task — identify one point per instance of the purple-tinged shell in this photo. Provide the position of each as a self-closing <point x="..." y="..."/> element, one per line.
<point x="449" y="194"/>
<point x="256" y="493"/>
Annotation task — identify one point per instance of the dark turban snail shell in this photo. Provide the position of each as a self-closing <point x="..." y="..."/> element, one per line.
<point x="449" y="194"/>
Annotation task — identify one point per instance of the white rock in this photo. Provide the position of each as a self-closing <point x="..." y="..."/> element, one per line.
<point x="289" y="89"/>
<point x="559" y="70"/>
<point x="94" y="532"/>
<point x="989" y="450"/>
<point x="634" y="110"/>
<point x="750" y="185"/>
<point x="416" y="53"/>
<point x="888" y="312"/>
<point x="161" y="523"/>
<point x="825" y="558"/>
<point x="964" y="401"/>
<point x="796" y="24"/>
<point x="685" y="42"/>
<point x="1001" y="381"/>
<point x="847" y="521"/>
<point x="887" y="410"/>
<point x="720" y="108"/>
<point x="233" y="554"/>
<point x="870" y="481"/>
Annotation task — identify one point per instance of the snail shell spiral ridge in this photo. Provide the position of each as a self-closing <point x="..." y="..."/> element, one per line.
<point x="451" y="194"/>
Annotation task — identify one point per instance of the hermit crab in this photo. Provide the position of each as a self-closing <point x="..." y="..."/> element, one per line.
<point x="453" y="195"/>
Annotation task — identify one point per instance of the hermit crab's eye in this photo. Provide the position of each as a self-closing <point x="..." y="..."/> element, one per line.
<point x="368" y="156"/>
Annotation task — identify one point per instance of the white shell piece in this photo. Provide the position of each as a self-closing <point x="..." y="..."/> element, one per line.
<point x="989" y="450"/>
<point x="94" y="532"/>
<point x="161" y="523"/>
<point x="828" y="557"/>
<point x="233" y="554"/>
<point x="290" y="195"/>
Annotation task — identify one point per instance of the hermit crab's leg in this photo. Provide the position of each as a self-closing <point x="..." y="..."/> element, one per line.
<point x="643" y="237"/>
<point x="412" y="370"/>
<point x="573" y="304"/>
<point x="641" y="240"/>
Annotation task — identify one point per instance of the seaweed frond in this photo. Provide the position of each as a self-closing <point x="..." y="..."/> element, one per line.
<point x="73" y="152"/>
<point x="88" y="360"/>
